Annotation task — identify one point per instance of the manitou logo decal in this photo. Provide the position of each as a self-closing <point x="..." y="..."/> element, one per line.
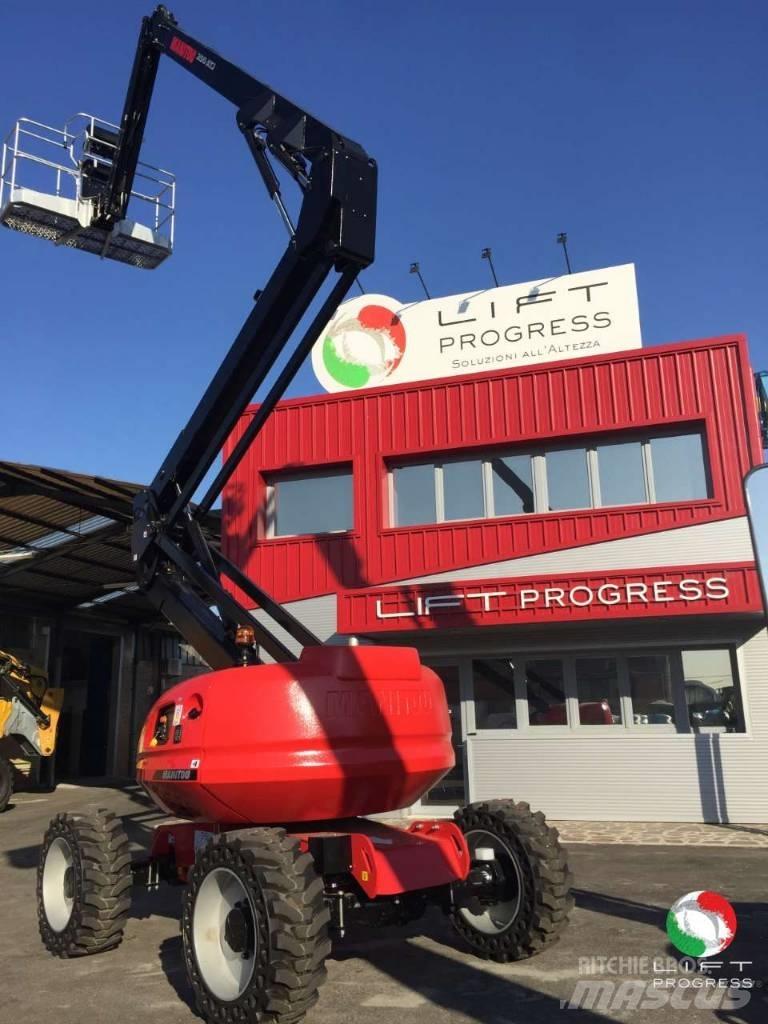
<point x="183" y="50"/>
<point x="190" y="54"/>
<point x="711" y="588"/>
<point x="176" y="775"/>
<point x="346" y="703"/>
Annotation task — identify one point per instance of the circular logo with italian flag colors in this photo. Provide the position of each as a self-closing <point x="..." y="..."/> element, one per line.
<point x="701" y="924"/>
<point x="361" y="346"/>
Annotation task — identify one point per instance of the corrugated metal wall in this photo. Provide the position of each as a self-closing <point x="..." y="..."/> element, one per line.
<point x="697" y="383"/>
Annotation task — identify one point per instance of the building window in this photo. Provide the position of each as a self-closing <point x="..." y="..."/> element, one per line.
<point x="512" y="484"/>
<point x="679" y="472"/>
<point x="568" y="484"/>
<point x="494" y="689"/>
<point x="674" y="690"/>
<point x="463" y="489"/>
<point x="658" y="468"/>
<point x="415" y="495"/>
<point x="650" y="690"/>
<point x="711" y="693"/>
<point x="451" y="788"/>
<point x="545" y="692"/>
<point x="622" y="473"/>
<point x="305" y="503"/>
<point x="597" y="689"/>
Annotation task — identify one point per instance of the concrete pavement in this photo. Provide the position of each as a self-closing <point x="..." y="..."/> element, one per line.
<point x="419" y="975"/>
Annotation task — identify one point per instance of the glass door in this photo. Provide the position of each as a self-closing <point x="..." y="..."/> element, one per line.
<point x="451" y="791"/>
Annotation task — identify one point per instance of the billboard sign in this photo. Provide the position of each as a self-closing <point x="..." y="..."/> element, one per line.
<point x="375" y="340"/>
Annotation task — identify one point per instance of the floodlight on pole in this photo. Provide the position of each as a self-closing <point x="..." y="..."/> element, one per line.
<point x="562" y="239"/>
<point x="486" y="254"/>
<point x="415" y="269"/>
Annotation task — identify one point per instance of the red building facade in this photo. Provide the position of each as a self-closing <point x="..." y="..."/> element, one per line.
<point x="593" y="503"/>
<point x="704" y="385"/>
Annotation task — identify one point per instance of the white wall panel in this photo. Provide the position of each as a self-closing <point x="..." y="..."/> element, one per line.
<point x="725" y="541"/>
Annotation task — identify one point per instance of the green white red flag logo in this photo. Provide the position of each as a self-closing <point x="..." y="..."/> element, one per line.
<point x="361" y="346"/>
<point x="701" y="924"/>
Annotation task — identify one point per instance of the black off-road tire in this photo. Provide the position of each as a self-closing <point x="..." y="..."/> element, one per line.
<point x="290" y="927"/>
<point x="96" y="883"/>
<point x="6" y="783"/>
<point x="542" y="879"/>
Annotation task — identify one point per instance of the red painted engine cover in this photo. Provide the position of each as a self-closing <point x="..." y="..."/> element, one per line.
<point x="345" y="731"/>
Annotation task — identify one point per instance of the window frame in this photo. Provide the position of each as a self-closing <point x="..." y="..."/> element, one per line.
<point x="672" y="431"/>
<point x="392" y="492"/>
<point x="523" y="726"/>
<point x="647" y="466"/>
<point x="524" y="720"/>
<point x="590" y="465"/>
<point x="628" y="726"/>
<point x="538" y="481"/>
<point x="681" y="724"/>
<point x="539" y="477"/>
<point x="272" y="480"/>
<point x="736" y="664"/>
<point x="480" y="730"/>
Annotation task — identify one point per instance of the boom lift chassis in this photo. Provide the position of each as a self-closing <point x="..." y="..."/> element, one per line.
<point x="263" y="897"/>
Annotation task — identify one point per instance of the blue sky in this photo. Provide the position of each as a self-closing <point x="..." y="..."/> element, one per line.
<point x="638" y="128"/>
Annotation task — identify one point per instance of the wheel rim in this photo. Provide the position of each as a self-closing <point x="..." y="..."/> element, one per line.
<point x="499" y="917"/>
<point x="224" y="935"/>
<point x="58" y="884"/>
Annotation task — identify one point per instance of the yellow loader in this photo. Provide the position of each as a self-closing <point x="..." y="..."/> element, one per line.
<point x="29" y="717"/>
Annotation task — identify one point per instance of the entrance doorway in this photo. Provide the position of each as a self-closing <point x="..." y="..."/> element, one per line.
<point x="89" y="676"/>
<point x="451" y="791"/>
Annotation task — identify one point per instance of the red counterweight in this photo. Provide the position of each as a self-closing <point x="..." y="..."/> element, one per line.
<point x="345" y="731"/>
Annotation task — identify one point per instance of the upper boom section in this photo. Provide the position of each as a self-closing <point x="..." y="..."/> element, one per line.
<point x="333" y="236"/>
<point x="336" y="228"/>
<point x="335" y="231"/>
<point x="299" y="141"/>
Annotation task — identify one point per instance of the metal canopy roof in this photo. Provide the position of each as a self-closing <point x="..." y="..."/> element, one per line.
<point x="64" y="543"/>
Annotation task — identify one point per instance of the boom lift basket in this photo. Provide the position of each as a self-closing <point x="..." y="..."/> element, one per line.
<point x="51" y="179"/>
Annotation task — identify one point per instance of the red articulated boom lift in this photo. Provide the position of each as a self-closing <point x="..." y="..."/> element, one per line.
<point x="272" y="767"/>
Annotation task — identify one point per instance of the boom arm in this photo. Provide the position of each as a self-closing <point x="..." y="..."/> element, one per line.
<point x="335" y="231"/>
